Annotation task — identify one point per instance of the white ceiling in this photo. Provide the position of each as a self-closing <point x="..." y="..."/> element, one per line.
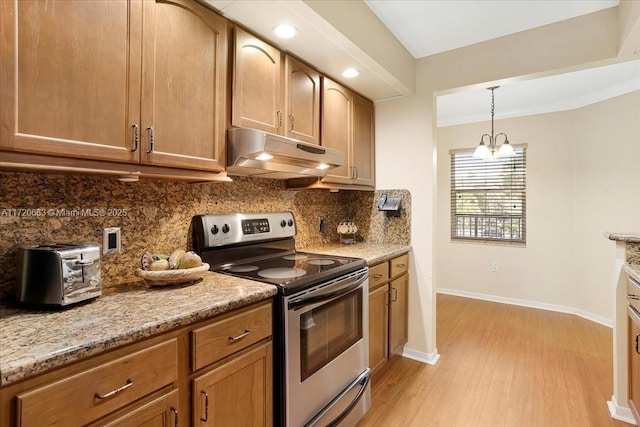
<point x="429" y="27"/>
<point x="554" y="93"/>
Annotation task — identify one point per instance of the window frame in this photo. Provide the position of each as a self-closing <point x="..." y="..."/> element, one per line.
<point x="515" y="194"/>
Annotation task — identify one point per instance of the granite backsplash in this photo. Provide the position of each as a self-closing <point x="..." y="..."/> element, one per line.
<point x="156" y="215"/>
<point x="633" y="253"/>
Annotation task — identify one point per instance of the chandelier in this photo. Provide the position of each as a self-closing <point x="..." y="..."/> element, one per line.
<point x="487" y="152"/>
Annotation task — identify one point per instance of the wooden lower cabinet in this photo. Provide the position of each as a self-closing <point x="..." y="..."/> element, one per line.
<point x="161" y="412"/>
<point x="398" y="319"/>
<point x="149" y="383"/>
<point x="388" y="310"/>
<point x="634" y="364"/>
<point x="378" y="327"/>
<point x="237" y="393"/>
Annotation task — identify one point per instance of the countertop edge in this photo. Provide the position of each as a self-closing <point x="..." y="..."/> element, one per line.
<point x="623" y="237"/>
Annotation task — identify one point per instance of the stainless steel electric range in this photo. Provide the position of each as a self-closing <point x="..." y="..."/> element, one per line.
<point x="321" y="374"/>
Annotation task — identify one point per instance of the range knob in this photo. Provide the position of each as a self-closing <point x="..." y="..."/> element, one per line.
<point x="225" y="228"/>
<point x="283" y="223"/>
<point x="290" y="223"/>
<point x="214" y="229"/>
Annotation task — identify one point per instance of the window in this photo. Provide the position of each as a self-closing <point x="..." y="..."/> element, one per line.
<point x="488" y="197"/>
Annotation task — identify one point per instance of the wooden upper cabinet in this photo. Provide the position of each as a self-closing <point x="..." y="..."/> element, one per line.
<point x="337" y="109"/>
<point x="348" y="125"/>
<point x="184" y="70"/>
<point x="363" y="159"/>
<point x="258" y="96"/>
<point x="70" y="75"/>
<point x="302" y="98"/>
<point x="89" y="80"/>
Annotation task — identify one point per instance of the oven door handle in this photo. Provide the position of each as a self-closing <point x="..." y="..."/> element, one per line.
<point x="330" y="293"/>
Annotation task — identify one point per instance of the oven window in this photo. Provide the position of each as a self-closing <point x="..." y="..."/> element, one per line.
<point x="328" y="330"/>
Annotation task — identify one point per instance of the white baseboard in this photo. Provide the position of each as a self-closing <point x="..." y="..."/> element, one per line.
<point x="531" y="304"/>
<point x="430" y="358"/>
<point x="620" y="412"/>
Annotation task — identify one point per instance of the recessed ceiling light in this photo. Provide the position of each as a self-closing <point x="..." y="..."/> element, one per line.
<point x="285" y="31"/>
<point x="350" y="73"/>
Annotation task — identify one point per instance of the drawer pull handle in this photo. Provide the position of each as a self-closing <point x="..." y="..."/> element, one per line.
<point x="206" y="406"/>
<point x="175" y="416"/>
<point x="114" y="392"/>
<point x="637" y="336"/>
<point x="394" y="298"/>
<point x="401" y="265"/>
<point x="633" y="296"/>
<point x="239" y="337"/>
<point x="377" y="276"/>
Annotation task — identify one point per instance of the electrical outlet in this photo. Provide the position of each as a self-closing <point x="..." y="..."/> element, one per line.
<point x="495" y="267"/>
<point x="111" y="240"/>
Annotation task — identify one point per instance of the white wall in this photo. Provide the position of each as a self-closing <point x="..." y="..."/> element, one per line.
<point x="404" y="160"/>
<point x="405" y="139"/>
<point x="578" y="186"/>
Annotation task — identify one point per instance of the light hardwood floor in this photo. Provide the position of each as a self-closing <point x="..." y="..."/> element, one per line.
<point x="501" y="365"/>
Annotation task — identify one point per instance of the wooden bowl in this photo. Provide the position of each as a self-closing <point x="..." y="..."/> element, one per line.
<point x="172" y="277"/>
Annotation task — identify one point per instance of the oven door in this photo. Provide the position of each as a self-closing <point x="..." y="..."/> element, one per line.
<point x="326" y="329"/>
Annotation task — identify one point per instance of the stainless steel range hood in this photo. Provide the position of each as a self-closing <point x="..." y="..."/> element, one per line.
<point x="252" y="152"/>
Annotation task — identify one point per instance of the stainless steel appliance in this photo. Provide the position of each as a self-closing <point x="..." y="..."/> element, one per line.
<point x="57" y="275"/>
<point x="321" y="374"/>
<point x="254" y="152"/>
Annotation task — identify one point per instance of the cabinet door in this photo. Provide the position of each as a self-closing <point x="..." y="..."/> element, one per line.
<point x="238" y="393"/>
<point x="184" y="85"/>
<point x="634" y="363"/>
<point x="302" y="101"/>
<point x="398" y="329"/>
<point x="363" y="142"/>
<point x="258" y="95"/>
<point x="378" y="326"/>
<point x="161" y="412"/>
<point x="70" y="77"/>
<point x="337" y="107"/>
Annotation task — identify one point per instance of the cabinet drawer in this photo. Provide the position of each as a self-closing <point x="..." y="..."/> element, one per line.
<point x="213" y="342"/>
<point x="87" y="396"/>
<point x="378" y="274"/>
<point x="399" y="265"/>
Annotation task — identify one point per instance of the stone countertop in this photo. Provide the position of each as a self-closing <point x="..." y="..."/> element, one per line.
<point x="33" y="341"/>
<point x="373" y="253"/>
<point x="623" y="237"/>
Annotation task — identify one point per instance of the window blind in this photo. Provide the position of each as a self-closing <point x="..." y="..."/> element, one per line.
<point x="488" y="197"/>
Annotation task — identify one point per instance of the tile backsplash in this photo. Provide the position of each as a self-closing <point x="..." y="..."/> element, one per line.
<point x="156" y="215"/>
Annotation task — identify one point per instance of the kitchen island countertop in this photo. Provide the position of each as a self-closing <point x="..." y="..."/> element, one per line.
<point x="37" y="341"/>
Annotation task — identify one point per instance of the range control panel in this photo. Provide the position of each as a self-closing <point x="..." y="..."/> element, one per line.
<point x="228" y="229"/>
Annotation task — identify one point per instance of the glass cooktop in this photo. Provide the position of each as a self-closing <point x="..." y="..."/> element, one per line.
<point x="293" y="270"/>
